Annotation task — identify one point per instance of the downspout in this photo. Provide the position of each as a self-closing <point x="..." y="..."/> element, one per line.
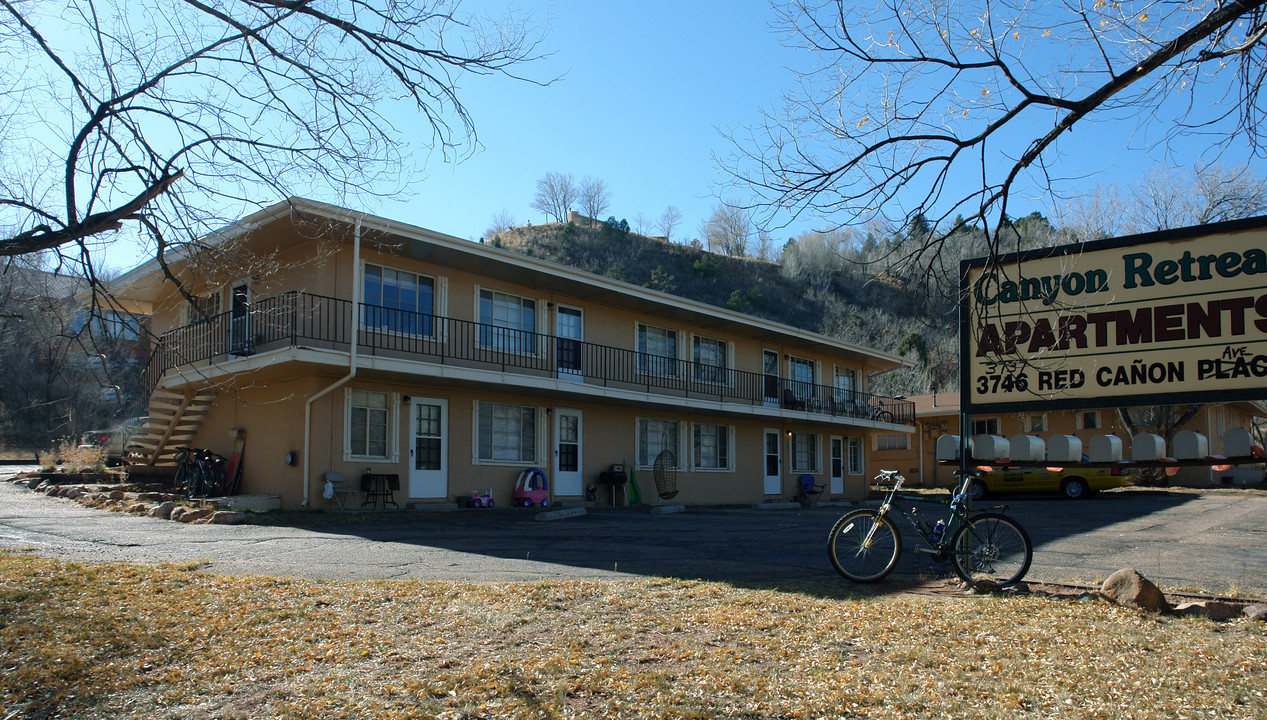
<point x="356" y="332"/>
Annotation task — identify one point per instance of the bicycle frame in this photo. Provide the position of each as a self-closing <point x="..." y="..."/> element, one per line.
<point x="959" y="504"/>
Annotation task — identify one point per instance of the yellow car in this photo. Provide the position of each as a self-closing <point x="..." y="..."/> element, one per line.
<point x="1073" y="483"/>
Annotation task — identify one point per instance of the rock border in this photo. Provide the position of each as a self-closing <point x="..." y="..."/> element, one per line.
<point x="151" y="500"/>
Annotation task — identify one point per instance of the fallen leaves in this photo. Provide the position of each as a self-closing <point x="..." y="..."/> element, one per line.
<point x="134" y="642"/>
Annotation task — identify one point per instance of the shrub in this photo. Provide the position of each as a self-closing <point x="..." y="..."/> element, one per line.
<point x="707" y="266"/>
<point x="661" y="280"/>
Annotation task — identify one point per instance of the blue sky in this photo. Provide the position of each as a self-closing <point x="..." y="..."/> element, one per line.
<point x="645" y="90"/>
<point x="644" y="93"/>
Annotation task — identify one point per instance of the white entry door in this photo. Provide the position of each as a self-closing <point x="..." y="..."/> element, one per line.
<point x="567" y="453"/>
<point x="837" y="465"/>
<point x="773" y="463"/>
<point x="428" y="453"/>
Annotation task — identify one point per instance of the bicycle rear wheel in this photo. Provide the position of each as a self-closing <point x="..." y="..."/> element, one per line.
<point x="864" y="547"/>
<point x="991" y="547"/>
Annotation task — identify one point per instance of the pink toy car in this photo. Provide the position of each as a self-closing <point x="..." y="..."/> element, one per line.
<point x="532" y="489"/>
<point x="479" y="500"/>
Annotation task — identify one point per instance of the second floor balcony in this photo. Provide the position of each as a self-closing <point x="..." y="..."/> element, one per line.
<point x="298" y="319"/>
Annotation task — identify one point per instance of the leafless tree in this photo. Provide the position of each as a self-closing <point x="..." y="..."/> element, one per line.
<point x="502" y="221"/>
<point x="594" y="197"/>
<point x="944" y="110"/>
<point x="556" y="192"/>
<point x="167" y="118"/>
<point x="669" y="219"/>
<point x="1164" y="198"/>
<point x="727" y="230"/>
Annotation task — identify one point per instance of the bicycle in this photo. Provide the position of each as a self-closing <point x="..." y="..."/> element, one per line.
<point x="864" y="545"/>
<point x="200" y="473"/>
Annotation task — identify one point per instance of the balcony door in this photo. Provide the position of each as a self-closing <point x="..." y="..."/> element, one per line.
<point x="770" y="377"/>
<point x="428" y="453"/>
<point x="239" y="332"/>
<point x="569" y="327"/>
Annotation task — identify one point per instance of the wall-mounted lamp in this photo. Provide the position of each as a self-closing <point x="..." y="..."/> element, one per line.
<point x="291" y="458"/>
<point x="405" y="399"/>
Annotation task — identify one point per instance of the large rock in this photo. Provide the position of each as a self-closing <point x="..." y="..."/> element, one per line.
<point x="227" y="517"/>
<point x="1127" y="587"/>
<point x="1213" y="609"/>
<point x="193" y="515"/>
<point x="163" y="510"/>
<point x="1256" y="612"/>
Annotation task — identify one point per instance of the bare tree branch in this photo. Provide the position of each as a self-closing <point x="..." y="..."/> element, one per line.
<point x="915" y="108"/>
<point x="152" y="114"/>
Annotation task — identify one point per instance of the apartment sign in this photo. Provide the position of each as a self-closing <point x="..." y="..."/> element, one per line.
<point x="1172" y="317"/>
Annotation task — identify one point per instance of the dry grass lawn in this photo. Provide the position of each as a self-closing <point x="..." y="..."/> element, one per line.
<point x="120" y="641"/>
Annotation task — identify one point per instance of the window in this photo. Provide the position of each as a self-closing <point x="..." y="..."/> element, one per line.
<point x="205" y="307"/>
<point x="114" y="325"/>
<point x="657" y="351"/>
<point x="897" y="441"/>
<point x="508" y="322"/>
<point x="710" y="447"/>
<point x="804" y="453"/>
<point x="398" y="301"/>
<point x="845" y="383"/>
<point x="800" y="374"/>
<point x="1089" y="420"/>
<point x="655" y="436"/>
<point x="985" y="426"/>
<point x="506" y="433"/>
<point x="710" y="359"/>
<point x="1036" y="423"/>
<point x="855" y="456"/>
<point x="368" y="425"/>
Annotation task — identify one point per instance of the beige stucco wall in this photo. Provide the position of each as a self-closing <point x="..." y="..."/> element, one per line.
<point x="271" y="418"/>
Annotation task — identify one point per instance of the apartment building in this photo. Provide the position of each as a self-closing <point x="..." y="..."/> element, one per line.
<point x="330" y="340"/>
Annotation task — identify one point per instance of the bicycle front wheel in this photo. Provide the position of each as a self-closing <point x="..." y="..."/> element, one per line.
<point x="864" y="547"/>
<point x="991" y="547"/>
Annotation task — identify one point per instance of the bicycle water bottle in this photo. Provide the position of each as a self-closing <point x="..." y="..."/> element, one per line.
<point x="938" y="529"/>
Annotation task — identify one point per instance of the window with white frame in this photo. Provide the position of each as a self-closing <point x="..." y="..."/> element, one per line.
<point x="1088" y="420"/>
<point x="654" y="436"/>
<point x="508" y="322"/>
<point x="895" y="441"/>
<point x="711" y="359"/>
<point x="657" y="351"/>
<point x="800" y="375"/>
<point x="204" y="307"/>
<point x="398" y="301"/>
<point x="845" y="383"/>
<point x="710" y="447"/>
<point x="1036" y="423"/>
<point x="985" y="426"/>
<point x="804" y="452"/>
<point x="506" y="433"/>
<point x="368" y="420"/>
<point x="855" y="456"/>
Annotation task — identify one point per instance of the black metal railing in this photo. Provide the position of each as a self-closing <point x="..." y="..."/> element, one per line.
<point x="297" y="318"/>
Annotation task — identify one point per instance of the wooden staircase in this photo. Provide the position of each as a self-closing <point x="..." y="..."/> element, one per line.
<point x="174" y="420"/>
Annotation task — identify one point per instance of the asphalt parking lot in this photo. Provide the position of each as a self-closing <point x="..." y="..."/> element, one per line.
<point x="1212" y="540"/>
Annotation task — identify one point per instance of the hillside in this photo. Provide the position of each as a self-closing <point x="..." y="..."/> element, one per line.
<point x="828" y="296"/>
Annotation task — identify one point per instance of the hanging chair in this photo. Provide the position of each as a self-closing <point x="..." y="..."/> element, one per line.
<point x="665" y="472"/>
